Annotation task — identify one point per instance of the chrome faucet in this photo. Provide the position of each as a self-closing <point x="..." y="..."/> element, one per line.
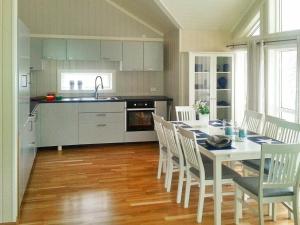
<point x="97" y="86"/>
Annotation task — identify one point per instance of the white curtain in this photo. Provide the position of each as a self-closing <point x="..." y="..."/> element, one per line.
<point x="256" y="87"/>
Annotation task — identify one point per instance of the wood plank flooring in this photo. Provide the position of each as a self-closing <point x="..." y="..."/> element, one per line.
<point x="113" y="185"/>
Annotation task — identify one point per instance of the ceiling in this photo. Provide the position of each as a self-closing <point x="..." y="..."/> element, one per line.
<point x="188" y="14"/>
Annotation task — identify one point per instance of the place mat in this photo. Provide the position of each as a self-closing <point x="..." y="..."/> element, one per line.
<point x="200" y="134"/>
<point x="218" y="123"/>
<point x="251" y="133"/>
<point x="211" y="148"/>
<point x="263" y="140"/>
<point x="181" y="124"/>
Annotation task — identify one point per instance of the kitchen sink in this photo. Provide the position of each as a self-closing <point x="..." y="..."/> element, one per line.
<point x="107" y="98"/>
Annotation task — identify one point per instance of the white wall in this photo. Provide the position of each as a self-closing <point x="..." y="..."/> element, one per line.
<point x="172" y="66"/>
<point x="80" y="17"/>
<point x="8" y="111"/>
<point x="89" y="18"/>
<point x="197" y="41"/>
<point x="127" y="83"/>
<point x="203" y="40"/>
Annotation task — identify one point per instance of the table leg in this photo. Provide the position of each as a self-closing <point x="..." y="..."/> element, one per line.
<point x="217" y="192"/>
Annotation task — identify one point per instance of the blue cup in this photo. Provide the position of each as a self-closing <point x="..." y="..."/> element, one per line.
<point x="228" y="131"/>
<point x="242" y="133"/>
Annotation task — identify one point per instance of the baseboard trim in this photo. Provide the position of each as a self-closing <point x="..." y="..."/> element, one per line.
<point x="11" y="223"/>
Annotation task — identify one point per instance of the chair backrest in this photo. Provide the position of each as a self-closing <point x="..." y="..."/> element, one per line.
<point x="289" y="132"/>
<point x="271" y="126"/>
<point x="185" y="113"/>
<point x="191" y="151"/>
<point x="159" y="129"/>
<point x="284" y="168"/>
<point x="174" y="146"/>
<point x="252" y="121"/>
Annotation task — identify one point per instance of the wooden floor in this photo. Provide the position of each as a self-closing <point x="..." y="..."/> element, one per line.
<point x="112" y="184"/>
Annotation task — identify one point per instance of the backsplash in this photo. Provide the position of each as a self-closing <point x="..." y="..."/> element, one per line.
<point x="127" y="83"/>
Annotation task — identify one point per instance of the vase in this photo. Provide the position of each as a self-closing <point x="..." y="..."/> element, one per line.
<point x="203" y="119"/>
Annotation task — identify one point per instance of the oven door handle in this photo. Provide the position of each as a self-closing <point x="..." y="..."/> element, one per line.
<point x="141" y="109"/>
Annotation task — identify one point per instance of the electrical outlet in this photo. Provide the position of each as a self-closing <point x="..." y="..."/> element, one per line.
<point x="153" y="89"/>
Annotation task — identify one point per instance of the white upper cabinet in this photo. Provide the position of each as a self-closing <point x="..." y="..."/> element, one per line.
<point x="111" y="50"/>
<point x="132" y="56"/>
<point x="54" y="49"/>
<point x="153" y="56"/>
<point x="83" y="49"/>
<point x="36" y="49"/>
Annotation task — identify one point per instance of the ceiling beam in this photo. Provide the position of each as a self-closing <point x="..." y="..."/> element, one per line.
<point x="135" y="17"/>
<point x="167" y="12"/>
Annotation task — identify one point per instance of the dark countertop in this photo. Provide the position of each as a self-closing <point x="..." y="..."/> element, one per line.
<point x="36" y="101"/>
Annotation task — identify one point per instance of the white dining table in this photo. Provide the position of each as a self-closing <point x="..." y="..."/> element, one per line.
<point x="242" y="151"/>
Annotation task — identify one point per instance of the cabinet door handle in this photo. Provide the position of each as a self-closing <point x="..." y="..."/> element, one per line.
<point x="101" y="125"/>
<point x="101" y="114"/>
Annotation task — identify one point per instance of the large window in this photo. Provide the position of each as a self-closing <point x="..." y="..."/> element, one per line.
<point x="282" y="82"/>
<point x="284" y="15"/>
<point x="84" y="81"/>
<point x="240" y="96"/>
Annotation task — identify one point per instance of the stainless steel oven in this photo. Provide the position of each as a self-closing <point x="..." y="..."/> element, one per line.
<point x="139" y="116"/>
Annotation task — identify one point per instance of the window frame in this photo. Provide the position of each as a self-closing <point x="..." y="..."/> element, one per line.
<point x="275" y="18"/>
<point x="99" y="71"/>
<point x="279" y="76"/>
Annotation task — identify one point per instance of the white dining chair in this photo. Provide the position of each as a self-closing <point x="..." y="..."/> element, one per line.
<point x="163" y="152"/>
<point x="281" y="130"/>
<point x="201" y="172"/>
<point x="175" y="160"/>
<point x="278" y="129"/>
<point x="280" y="184"/>
<point x="185" y="113"/>
<point x="252" y="121"/>
<point x="289" y="132"/>
<point x="271" y="130"/>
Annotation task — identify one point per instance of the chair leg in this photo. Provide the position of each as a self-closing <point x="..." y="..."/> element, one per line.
<point x="164" y="165"/>
<point x="274" y="212"/>
<point x="296" y="208"/>
<point x="238" y="205"/>
<point x="168" y="161"/>
<point x="290" y="214"/>
<point x="261" y="212"/>
<point x="187" y="190"/>
<point x="201" y="202"/>
<point x="160" y="164"/>
<point x="169" y="182"/>
<point x="270" y="207"/>
<point x="180" y="184"/>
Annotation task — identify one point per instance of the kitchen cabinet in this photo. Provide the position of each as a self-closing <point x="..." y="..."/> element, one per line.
<point x="27" y="153"/>
<point x="132" y="56"/>
<point x="88" y="50"/>
<point x="161" y="108"/>
<point x="111" y="50"/>
<point x="211" y="77"/>
<point x="54" y="49"/>
<point x="59" y="124"/>
<point x="153" y="56"/>
<point x="101" y="122"/>
<point x="36" y="55"/>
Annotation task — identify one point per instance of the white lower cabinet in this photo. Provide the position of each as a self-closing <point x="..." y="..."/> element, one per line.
<point x="101" y="130"/>
<point x="63" y="124"/>
<point x="59" y="124"/>
<point x="101" y="123"/>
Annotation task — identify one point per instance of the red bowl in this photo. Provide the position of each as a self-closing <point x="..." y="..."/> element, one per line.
<point x="50" y="98"/>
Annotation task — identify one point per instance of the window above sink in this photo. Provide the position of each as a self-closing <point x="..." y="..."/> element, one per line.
<point x="83" y="81"/>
